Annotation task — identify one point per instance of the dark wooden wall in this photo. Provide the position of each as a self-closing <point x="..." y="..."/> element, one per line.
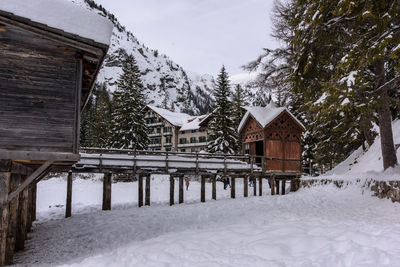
<point x="39" y="93"/>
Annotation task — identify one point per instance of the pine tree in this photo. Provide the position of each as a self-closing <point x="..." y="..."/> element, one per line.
<point x="128" y="125"/>
<point x="100" y="128"/>
<point x="238" y="110"/>
<point x="222" y="133"/>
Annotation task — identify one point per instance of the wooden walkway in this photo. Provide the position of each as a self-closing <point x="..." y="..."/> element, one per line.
<point x="178" y="165"/>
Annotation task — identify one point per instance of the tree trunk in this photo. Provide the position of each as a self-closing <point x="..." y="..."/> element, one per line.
<point x="385" y="119"/>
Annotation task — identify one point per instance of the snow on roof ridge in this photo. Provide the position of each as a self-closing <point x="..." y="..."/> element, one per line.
<point x="193" y="124"/>
<point x="62" y="15"/>
<point x="264" y="115"/>
<point x="175" y="118"/>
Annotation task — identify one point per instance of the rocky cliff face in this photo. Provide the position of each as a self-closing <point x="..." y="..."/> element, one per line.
<point x="167" y="84"/>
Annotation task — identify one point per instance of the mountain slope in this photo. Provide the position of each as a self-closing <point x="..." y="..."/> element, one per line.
<point x="167" y="84"/>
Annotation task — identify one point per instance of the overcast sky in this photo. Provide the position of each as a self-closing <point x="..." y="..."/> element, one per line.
<point x="199" y="35"/>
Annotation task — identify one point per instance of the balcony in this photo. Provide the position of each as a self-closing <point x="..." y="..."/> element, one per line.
<point x="155" y="124"/>
<point x="154" y="145"/>
<point x="167" y="144"/>
<point x="167" y="133"/>
<point x="154" y="134"/>
<point x="193" y="145"/>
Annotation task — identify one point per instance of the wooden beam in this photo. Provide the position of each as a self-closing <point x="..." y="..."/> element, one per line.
<point x="203" y="189"/>
<point x="181" y="189"/>
<point x="254" y="186"/>
<point x="277" y="186"/>
<point x="272" y="185"/>
<point x="68" y="205"/>
<point x="4" y="214"/>
<point x="38" y="173"/>
<point x="171" y="190"/>
<point x="34" y="155"/>
<point x="233" y="187"/>
<point x="246" y="186"/>
<point x="147" y="200"/>
<point x="283" y="186"/>
<point x="13" y="222"/>
<point x="107" y="191"/>
<point x="22" y="220"/>
<point x="214" y="187"/>
<point x="34" y="194"/>
<point x="140" y="190"/>
<point x="260" y="186"/>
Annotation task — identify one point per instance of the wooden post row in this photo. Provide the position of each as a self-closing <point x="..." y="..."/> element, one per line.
<point x="140" y="190"/>
<point x="147" y="196"/>
<point x="69" y="196"/>
<point x="233" y="187"/>
<point x="107" y="191"/>
<point x="171" y="190"/>
<point x="181" y="189"/>
<point x="245" y="186"/>
<point x="203" y="189"/>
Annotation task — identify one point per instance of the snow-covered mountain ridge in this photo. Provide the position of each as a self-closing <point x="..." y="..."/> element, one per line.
<point x="167" y="84"/>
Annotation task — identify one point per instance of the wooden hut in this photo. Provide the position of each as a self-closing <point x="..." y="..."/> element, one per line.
<point x="272" y="133"/>
<point x="51" y="52"/>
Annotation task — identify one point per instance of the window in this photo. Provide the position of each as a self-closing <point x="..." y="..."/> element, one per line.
<point x="167" y="149"/>
<point x="192" y="150"/>
<point x="182" y="141"/>
<point x="167" y="129"/>
<point x="202" y="139"/>
<point x="168" y="139"/>
<point x="192" y="140"/>
<point x="246" y="148"/>
<point x="194" y="131"/>
<point x="158" y="130"/>
<point x="202" y="130"/>
<point x="183" y="150"/>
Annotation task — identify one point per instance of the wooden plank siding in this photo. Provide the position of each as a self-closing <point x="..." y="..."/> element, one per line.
<point x="39" y="93"/>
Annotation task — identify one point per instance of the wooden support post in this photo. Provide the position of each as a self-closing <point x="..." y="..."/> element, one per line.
<point x="140" y="190"/>
<point x="147" y="196"/>
<point x="22" y="220"/>
<point x="4" y="214"/>
<point x="214" y="187"/>
<point x="203" y="189"/>
<point x="283" y="186"/>
<point x="181" y="189"/>
<point x="68" y="205"/>
<point x="254" y="186"/>
<point x="233" y="187"/>
<point x="107" y="191"/>
<point x="245" y="186"/>
<point x="34" y="194"/>
<point x="29" y="210"/>
<point x="260" y="186"/>
<point x="13" y="220"/>
<point x="277" y="186"/>
<point x="171" y="190"/>
<point x="272" y="185"/>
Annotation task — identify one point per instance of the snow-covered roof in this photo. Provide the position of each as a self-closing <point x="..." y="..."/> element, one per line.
<point x="265" y="115"/>
<point x="175" y="118"/>
<point x="62" y="15"/>
<point x="193" y="124"/>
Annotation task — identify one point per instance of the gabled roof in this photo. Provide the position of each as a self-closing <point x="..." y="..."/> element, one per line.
<point x="62" y="15"/>
<point x="194" y="123"/>
<point x="265" y="115"/>
<point x="175" y="118"/>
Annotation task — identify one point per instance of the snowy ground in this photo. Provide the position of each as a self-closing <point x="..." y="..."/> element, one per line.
<point x="321" y="226"/>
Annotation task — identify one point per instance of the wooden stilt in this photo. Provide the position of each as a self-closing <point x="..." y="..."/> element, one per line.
<point x="68" y="205"/>
<point x="181" y="189"/>
<point x="107" y="191"/>
<point x="4" y="214"/>
<point x="283" y="186"/>
<point x="214" y="187"/>
<point x="254" y="186"/>
<point x="171" y="190"/>
<point x="273" y="185"/>
<point x="260" y="186"/>
<point x="233" y="187"/>
<point x="34" y="194"/>
<point x="12" y="225"/>
<point x="245" y="186"/>
<point x="147" y="196"/>
<point x="21" y="220"/>
<point x="29" y="211"/>
<point x="277" y="187"/>
<point x="140" y="190"/>
<point x="203" y="189"/>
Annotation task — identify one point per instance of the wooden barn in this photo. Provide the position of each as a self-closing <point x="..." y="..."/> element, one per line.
<point x="50" y="56"/>
<point x="272" y="134"/>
